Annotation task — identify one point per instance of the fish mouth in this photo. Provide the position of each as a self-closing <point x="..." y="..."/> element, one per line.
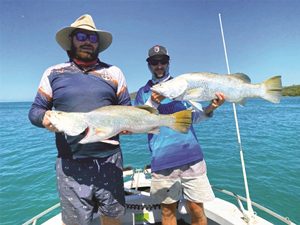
<point x="86" y="131"/>
<point x="85" y="134"/>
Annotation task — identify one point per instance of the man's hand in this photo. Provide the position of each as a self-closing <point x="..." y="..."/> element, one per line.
<point x="215" y="103"/>
<point x="47" y="124"/>
<point x="156" y="97"/>
<point x="125" y="132"/>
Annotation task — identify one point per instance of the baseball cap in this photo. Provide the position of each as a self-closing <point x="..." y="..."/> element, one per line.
<point x="158" y="51"/>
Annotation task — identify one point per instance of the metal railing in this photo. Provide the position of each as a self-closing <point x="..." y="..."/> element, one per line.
<point x="35" y="219"/>
<point x="262" y="208"/>
<point x="239" y="198"/>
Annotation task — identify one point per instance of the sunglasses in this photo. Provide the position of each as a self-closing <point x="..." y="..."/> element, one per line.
<point x="80" y="36"/>
<point x="154" y="62"/>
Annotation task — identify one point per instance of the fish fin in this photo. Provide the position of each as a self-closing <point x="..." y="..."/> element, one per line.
<point x="273" y="88"/>
<point x="183" y="120"/>
<point x="95" y="134"/>
<point x="242" y="77"/>
<point x="98" y="131"/>
<point x="195" y="104"/>
<point x="112" y="142"/>
<point x="194" y="93"/>
<point x="154" y="131"/>
<point x="148" y="108"/>
<point x="179" y="97"/>
<point x="242" y="102"/>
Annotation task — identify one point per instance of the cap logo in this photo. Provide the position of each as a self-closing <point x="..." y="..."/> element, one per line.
<point x="156" y="49"/>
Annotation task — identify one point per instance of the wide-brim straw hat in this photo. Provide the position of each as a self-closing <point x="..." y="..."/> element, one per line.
<point x="84" y="22"/>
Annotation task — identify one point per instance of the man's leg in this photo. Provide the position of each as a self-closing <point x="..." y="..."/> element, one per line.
<point x="110" y="195"/>
<point x="197" y="213"/>
<point x="168" y="213"/>
<point x="105" y="220"/>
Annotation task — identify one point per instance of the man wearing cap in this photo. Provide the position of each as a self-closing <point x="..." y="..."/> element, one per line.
<point x="177" y="164"/>
<point x="89" y="176"/>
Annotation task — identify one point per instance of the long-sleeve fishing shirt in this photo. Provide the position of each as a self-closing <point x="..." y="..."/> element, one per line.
<point x="170" y="148"/>
<point x="67" y="87"/>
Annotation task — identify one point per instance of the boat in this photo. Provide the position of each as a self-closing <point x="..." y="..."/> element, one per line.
<point x="140" y="208"/>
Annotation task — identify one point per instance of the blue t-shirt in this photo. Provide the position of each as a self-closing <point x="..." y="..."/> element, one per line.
<point x="170" y="148"/>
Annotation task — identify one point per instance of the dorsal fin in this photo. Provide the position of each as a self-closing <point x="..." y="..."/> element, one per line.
<point x="148" y="108"/>
<point x="241" y="76"/>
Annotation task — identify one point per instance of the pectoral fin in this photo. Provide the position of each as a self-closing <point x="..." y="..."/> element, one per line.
<point x="154" y="131"/>
<point x="194" y="94"/>
<point x="112" y="142"/>
<point x="148" y="108"/>
<point x="242" y="102"/>
<point x="195" y="104"/>
<point x="96" y="134"/>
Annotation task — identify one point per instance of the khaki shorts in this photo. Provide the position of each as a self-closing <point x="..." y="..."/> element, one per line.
<point x="188" y="181"/>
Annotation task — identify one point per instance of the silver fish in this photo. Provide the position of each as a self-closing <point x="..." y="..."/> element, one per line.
<point x="203" y="86"/>
<point x="108" y="121"/>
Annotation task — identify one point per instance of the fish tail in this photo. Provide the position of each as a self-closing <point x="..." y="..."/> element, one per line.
<point x="273" y="88"/>
<point x="183" y="120"/>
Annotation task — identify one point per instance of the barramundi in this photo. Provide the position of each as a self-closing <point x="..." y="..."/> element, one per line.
<point x="108" y="121"/>
<point x="203" y="86"/>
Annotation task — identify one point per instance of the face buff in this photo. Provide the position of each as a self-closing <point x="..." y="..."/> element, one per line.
<point x="155" y="79"/>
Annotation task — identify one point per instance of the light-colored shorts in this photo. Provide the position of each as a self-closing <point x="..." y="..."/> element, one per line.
<point x="189" y="181"/>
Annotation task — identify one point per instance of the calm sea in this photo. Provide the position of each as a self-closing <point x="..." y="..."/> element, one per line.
<point x="270" y="135"/>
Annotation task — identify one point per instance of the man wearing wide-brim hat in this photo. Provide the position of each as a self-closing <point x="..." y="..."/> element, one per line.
<point x="89" y="176"/>
<point x="85" y="23"/>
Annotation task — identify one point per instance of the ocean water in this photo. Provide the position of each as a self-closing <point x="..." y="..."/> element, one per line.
<point x="270" y="135"/>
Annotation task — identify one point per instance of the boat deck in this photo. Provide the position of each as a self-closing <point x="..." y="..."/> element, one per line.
<point x="182" y="222"/>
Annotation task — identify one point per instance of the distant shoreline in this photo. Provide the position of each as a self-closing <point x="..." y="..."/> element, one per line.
<point x="293" y="90"/>
<point x="288" y="91"/>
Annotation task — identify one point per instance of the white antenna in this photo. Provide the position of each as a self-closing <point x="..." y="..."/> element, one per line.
<point x="249" y="205"/>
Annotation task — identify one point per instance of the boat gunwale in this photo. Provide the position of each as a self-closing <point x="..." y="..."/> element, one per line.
<point x="285" y="220"/>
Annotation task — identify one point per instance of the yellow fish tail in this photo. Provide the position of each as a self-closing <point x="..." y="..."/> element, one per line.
<point x="183" y="120"/>
<point x="273" y="88"/>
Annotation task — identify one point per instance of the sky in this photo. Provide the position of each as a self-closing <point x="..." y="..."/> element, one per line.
<point x="262" y="38"/>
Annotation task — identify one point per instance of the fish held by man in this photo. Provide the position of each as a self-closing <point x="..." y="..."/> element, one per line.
<point x="203" y="86"/>
<point x="106" y="122"/>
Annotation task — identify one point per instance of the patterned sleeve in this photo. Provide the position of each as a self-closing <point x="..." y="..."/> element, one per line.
<point x="140" y="97"/>
<point x="42" y="101"/>
<point x="122" y="91"/>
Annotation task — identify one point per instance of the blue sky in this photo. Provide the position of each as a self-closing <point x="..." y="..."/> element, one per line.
<point x="262" y="38"/>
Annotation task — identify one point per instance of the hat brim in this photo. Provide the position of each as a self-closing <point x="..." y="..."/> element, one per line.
<point x="158" y="57"/>
<point x="64" y="40"/>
